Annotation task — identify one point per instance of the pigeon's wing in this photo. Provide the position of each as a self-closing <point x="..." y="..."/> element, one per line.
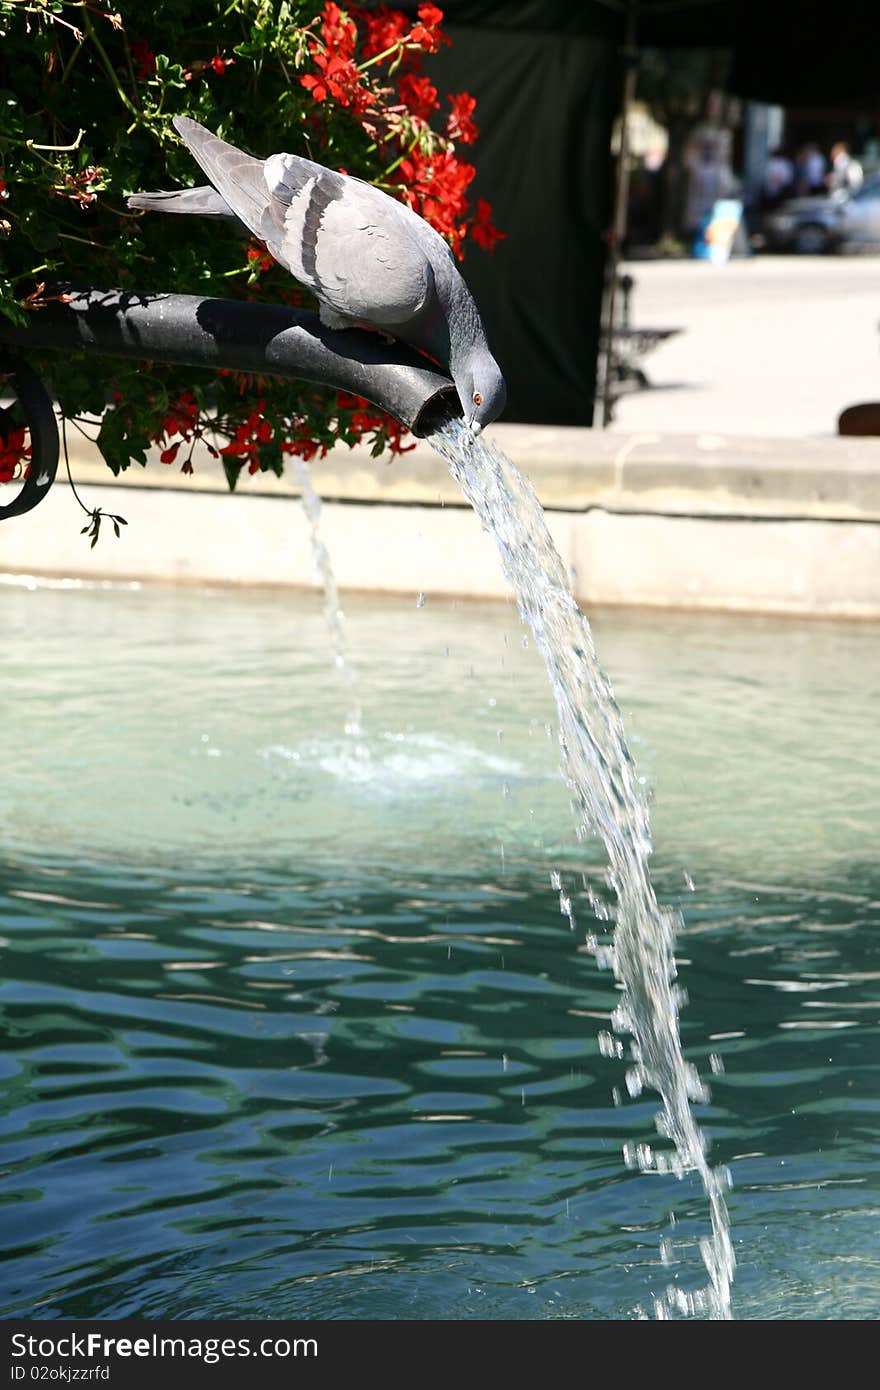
<point x="238" y="177"/>
<point x="347" y="241"/>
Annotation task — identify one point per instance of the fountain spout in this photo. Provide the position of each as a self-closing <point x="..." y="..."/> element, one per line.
<point x="248" y="337"/>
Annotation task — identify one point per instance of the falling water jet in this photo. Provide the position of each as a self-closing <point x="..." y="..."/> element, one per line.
<point x="608" y="802"/>
<point x="311" y="505"/>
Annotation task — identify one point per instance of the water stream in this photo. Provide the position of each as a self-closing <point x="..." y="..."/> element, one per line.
<point x="609" y="801"/>
<point x="311" y="504"/>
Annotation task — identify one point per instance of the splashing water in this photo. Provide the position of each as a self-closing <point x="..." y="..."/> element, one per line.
<point x="311" y="504"/>
<point x="608" y="802"/>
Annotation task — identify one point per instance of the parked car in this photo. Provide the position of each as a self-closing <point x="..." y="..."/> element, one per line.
<point x="830" y="222"/>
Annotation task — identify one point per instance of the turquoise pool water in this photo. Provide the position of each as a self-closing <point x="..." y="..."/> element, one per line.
<point x="292" y="1025"/>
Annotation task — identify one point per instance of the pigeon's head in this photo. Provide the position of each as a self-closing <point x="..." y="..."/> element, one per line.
<point x="481" y="390"/>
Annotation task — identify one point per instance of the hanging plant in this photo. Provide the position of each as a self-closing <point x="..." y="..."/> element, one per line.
<point x="87" y="120"/>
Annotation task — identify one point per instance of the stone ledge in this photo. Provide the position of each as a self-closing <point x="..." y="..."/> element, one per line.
<point x="810" y="567"/>
<point x="576" y="470"/>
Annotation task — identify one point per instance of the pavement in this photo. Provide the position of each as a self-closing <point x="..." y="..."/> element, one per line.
<point x="771" y="345"/>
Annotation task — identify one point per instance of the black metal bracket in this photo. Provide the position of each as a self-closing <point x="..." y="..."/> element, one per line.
<point x="219" y="333"/>
<point x="36" y="404"/>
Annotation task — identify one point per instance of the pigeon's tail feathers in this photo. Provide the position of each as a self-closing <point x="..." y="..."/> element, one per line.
<point x="237" y="177"/>
<point x="204" y="202"/>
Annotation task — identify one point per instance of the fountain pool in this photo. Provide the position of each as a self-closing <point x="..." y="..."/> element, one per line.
<point x="292" y="1023"/>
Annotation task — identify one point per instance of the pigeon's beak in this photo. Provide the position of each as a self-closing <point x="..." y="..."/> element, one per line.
<point x="474" y="426"/>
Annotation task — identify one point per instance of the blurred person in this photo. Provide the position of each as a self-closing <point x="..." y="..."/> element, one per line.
<point x="778" y="179"/>
<point x="810" y="170"/>
<point x="710" y="176"/>
<point x="846" y="174"/>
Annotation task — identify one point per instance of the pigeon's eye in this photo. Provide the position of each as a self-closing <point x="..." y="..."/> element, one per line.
<point x="478" y="399"/>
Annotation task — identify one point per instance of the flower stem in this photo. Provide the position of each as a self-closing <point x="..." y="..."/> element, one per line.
<point x="400" y="158"/>
<point x="111" y="71"/>
<point x="380" y="57"/>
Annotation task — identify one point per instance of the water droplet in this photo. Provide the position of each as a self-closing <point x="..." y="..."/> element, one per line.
<point x="421" y="601"/>
<point x="634" y="1081"/>
<point x="609" y="1046"/>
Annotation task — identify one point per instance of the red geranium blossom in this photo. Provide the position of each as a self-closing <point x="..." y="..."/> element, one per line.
<point x="247" y="438"/>
<point x="143" y="59"/>
<point x="419" y="94"/>
<point x="385" y="29"/>
<point x="436" y="186"/>
<point x="426" y="34"/>
<point x="182" y="416"/>
<point x="340" y="80"/>
<point x="259" y="257"/>
<point x="482" y="231"/>
<point x="12" y="454"/>
<point x="459" y="125"/>
<point x="338" y="31"/>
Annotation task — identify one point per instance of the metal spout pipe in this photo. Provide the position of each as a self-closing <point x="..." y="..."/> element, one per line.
<point x="195" y="332"/>
<point x="246" y="337"/>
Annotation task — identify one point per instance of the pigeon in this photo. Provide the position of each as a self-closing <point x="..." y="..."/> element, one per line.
<point x="369" y="260"/>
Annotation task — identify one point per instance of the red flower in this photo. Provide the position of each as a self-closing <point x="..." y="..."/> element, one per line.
<point x="220" y="64"/>
<point x="338" y="31"/>
<point x="482" y="231"/>
<point x="436" y="186"/>
<point x="12" y="454"/>
<point x="181" y="418"/>
<point x="419" y="94"/>
<point x="367" y="419"/>
<point x="459" y="125"/>
<point x="340" y="80"/>
<point x="426" y="34"/>
<point x="259" y="257"/>
<point x="143" y="59"/>
<point x="385" y="30"/>
<point x="245" y="442"/>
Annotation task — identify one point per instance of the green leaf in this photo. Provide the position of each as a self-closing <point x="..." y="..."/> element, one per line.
<point x="232" y="468"/>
